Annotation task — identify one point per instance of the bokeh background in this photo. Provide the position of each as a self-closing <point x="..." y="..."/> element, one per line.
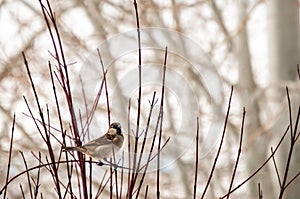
<point x="251" y="44"/>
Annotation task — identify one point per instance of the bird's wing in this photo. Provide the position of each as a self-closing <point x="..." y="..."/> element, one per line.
<point x="98" y="142"/>
<point x="99" y="148"/>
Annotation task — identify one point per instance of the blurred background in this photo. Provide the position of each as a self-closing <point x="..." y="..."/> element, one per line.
<point x="213" y="44"/>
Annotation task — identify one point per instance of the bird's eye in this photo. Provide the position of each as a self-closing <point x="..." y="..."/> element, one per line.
<point x="116" y="125"/>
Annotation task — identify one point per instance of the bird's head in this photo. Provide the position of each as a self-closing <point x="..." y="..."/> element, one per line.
<point x="117" y="127"/>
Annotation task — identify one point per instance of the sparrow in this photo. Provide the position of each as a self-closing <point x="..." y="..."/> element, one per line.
<point x="103" y="147"/>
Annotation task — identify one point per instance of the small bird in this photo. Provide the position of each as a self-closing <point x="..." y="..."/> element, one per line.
<point x="103" y="147"/>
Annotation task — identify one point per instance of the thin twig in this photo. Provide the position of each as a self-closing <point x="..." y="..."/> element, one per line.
<point x="105" y="85"/>
<point x="144" y="168"/>
<point x="151" y="158"/>
<point x="91" y="177"/>
<point x="122" y="176"/>
<point x="131" y="188"/>
<point x="36" y="167"/>
<point x="139" y="65"/>
<point x="94" y="107"/>
<point x="296" y="125"/>
<point x="292" y="180"/>
<point x="22" y="191"/>
<point x="290" y="113"/>
<point x="101" y="185"/>
<point x="47" y="166"/>
<point x="87" y="112"/>
<point x="146" y="130"/>
<point x="161" y="123"/>
<point x="196" y="160"/>
<point x="102" y="188"/>
<point x="116" y="183"/>
<point x="146" y="191"/>
<point x="111" y="180"/>
<point x="239" y="152"/>
<point x="27" y="173"/>
<point x="62" y="66"/>
<point x="60" y="124"/>
<point x="220" y="146"/>
<point x="37" y="185"/>
<point x="152" y="103"/>
<point x="260" y="192"/>
<point x="140" y="83"/>
<point x="47" y="138"/>
<point x="259" y="168"/>
<point x="108" y="163"/>
<point x="10" y="153"/>
<point x="292" y="144"/>
<point x="276" y="168"/>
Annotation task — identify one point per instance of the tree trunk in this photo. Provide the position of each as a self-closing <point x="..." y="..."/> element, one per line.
<point x="256" y="153"/>
<point x="283" y="26"/>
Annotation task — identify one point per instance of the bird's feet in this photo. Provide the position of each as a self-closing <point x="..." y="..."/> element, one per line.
<point x="100" y="163"/>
